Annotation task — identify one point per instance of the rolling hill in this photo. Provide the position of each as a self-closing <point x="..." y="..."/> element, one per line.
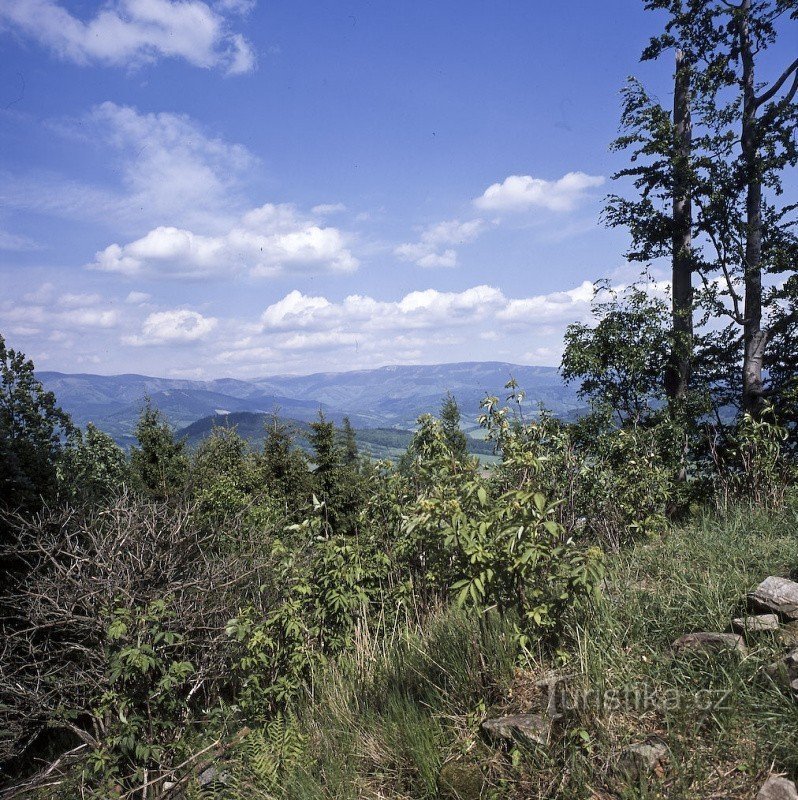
<point x="389" y="397"/>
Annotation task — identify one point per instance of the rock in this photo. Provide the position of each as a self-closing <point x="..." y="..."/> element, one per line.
<point x="556" y="694"/>
<point x="777" y="789"/>
<point x="710" y="642"/>
<point x="532" y="728"/>
<point x="641" y="759"/>
<point x="785" y="671"/>
<point x="460" y="780"/>
<point x="756" y="624"/>
<point x="788" y="634"/>
<point x="212" y="775"/>
<point x="778" y="595"/>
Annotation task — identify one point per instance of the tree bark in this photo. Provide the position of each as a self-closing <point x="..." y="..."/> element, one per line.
<point x="754" y="337"/>
<point x="677" y="379"/>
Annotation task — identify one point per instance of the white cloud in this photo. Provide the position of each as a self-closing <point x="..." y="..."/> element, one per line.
<point x="89" y="318"/>
<point x="522" y="192"/>
<point x="76" y="300"/>
<point x="567" y="305"/>
<point x="265" y="242"/>
<point x="433" y="250"/>
<point x="15" y="242"/>
<point x="130" y="33"/>
<point x="34" y="319"/>
<point x="137" y="298"/>
<point x="176" y="326"/>
<point x="167" y="168"/>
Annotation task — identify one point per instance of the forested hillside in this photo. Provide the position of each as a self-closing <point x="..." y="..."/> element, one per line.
<point x="391" y="397"/>
<point x="607" y="610"/>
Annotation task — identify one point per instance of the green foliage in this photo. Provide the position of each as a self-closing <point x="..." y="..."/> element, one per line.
<point x="621" y="361"/>
<point x="283" y="471"/>
<point x="348" y="443"/>
<point x="158" y="465"/>
<point x="752" y="464"/>
<point x="505" y="551"/>
<point x="336" y="480"/>
<point x="450" y="424"/>
<point x="32" y="434"/>
<point x="92" y="469"/>
<point x="148" y="682"/>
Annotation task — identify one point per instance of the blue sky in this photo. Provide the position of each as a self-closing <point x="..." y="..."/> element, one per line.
<point x="242" y="188"/>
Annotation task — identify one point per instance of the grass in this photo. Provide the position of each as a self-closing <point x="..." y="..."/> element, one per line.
<point x="399" y="716"/>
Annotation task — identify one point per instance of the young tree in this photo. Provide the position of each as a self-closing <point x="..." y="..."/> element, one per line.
<point x="159" y="467"/>
<point x="450" y="425"/>
<point x="620" y="361"/>
<point x="284" y="469"/>
<point x="92" y="469"/>
<point x="349" y="443"/>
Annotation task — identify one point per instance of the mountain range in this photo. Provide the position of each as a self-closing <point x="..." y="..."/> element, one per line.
<point x="390" y="397"/>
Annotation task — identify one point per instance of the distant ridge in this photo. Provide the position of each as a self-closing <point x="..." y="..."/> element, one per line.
<point x="387" y="397"/>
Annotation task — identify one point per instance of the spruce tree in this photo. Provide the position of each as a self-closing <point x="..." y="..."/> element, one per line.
<point x="348" y="443"/>
<point x="450" y="425"/>
<point x="159" y="467"/>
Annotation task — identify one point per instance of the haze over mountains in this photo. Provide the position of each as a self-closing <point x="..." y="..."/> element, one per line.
<point x="388" y="397"/>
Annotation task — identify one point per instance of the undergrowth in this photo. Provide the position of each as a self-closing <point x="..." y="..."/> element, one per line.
<point x="399" y="715"/>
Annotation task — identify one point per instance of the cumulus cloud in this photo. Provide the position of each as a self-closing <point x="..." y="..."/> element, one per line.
<point x="428" y="325"/>
<point x="176" y="326"/>
<point x="265" y="242"/>
<point x="75" y="313"/>
<point x="130" y="33"/>
<point x="433" y="249"/>
<point x="523" y="192"/>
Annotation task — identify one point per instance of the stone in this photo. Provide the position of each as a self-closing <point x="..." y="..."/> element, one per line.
<point x="212" y="775"/>
<point x="461" y="780"/>
<point x="777" y="595"/>
<point x="710" y="642"/>
<point x="788" y="634"/>
<point x="776" y="788"/>
<point x="641" y="759"/>
<point x="555" y="685"/>
<point x="757" y="623"/>
<point x="785" y="670"/>
<point x="531" y="728"/>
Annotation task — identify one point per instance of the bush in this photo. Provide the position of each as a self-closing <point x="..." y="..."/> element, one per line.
<point x="116" y="635"/>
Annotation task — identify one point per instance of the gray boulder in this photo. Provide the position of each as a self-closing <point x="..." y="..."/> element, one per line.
<point x="641" y="759"/>
<point x="530" y="728"/>
<point x="785" y="671"/>
<point x="710" y="642"/>
<point x="776" y="788"/>
<point x="758" y="623"/>
<point x="777" y="595"/>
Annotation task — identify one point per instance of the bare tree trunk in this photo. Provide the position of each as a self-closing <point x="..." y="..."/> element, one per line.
<point x="754" y="337"/>
<point x="677" y="379"/>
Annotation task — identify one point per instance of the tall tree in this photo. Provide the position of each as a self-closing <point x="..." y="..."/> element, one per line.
<point x="677" y="376"/>
<point x="746" y="142"/>
<point x="33" y="431"/>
